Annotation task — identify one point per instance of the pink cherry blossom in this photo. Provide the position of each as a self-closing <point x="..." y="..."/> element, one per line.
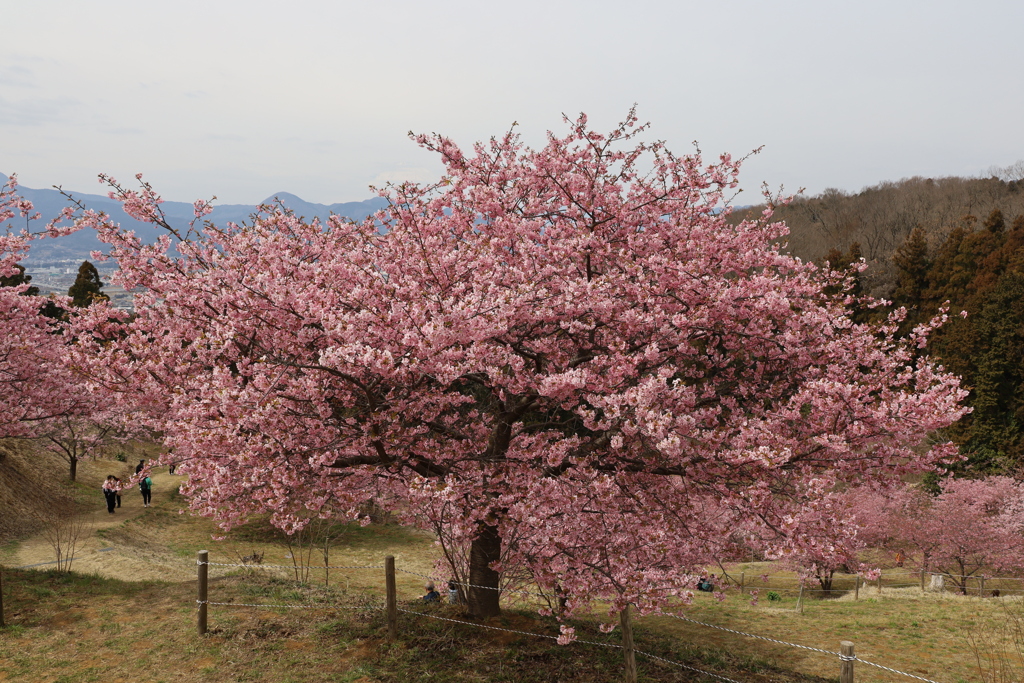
<point x="572" y="354"/>
<point x="36" y="384"/>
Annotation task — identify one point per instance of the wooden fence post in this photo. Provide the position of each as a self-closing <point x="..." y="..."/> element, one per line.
<point x="2" y="624"/>
<point x="800" y="599"/>
<point x="202" y="567"/>
<point x="922" y="579"/>
<point x="743" y="576"/>
<point x="879" y="581"/>
<point x="981" y="589"/>
<point x="856" y="589"/>
<point x="627" y="644"/>
<point x="392" y="596"/>
<point x="846" y="660"/>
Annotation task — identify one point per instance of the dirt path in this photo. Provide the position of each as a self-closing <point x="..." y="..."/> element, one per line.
<point x="110" y="558"/>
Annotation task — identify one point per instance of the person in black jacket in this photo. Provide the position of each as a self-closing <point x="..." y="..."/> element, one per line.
<point x="110" y="493"/>
<point x="146" y="486"/>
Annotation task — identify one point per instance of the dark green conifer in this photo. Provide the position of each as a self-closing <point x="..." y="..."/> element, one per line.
<point x="941" y="270"/>
<point x="911" y="261"/>
<point x="994" y="433"/>
<point x="837" y="260"/>
<point x="19" y="278"/>
<point x="87" y="286"/>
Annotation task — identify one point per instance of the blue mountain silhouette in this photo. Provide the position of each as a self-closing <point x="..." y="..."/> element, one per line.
<point x="77" y="246"/>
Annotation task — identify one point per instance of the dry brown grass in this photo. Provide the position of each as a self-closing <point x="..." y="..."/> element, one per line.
<point x="27" y="483"/>
<point x="122" y="628"/>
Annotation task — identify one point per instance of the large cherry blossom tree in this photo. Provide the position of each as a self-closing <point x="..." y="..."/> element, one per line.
<point x="572" y="345"/>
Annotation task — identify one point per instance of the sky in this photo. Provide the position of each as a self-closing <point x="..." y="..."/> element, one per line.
<point x="245" y="99"/>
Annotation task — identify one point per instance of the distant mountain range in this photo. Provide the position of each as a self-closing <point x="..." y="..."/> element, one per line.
<point x="49" y="203"/>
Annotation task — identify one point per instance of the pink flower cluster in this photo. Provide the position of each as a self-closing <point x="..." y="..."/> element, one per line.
<point x="608" y="380"/>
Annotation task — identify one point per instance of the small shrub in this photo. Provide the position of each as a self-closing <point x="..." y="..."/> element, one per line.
<point x="773" y="596"/>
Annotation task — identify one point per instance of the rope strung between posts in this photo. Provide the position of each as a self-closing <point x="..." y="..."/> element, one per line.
<point x="684" y="666"/>
<point x="288" y="566"/>
<point x="312" y="606"/>
<point x="754" y="635"/>
<point x="895" y="671"/>
<point x="575" y="640"/>
<point x="492" y="628"/>
<point x="842" y="657"/>
<point x="473" y="585"/>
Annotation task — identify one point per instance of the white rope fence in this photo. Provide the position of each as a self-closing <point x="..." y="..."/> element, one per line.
<point x="473" y="585"/>
<point x="260" y="565"/>
<point x="846" y="657"/>
<point x="575" y="640"/>
<point x="977" y="584"/>
<point x="885" y="668"/>
<point x="752" y="635"/>
<point x="684" y="666"/>
<point x="323" y="606"/>
<point x="842" y="657"/>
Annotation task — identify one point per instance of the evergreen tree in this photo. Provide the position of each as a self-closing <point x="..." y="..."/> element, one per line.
<point x="911" y="261"/>
<point x="837" y="260"/>
<point x="993" y="436"/>
<point x="19" y="278"/>
<point x="87" y="286"/>
<point x="965" y="261"/>
<point x="912" y="264"/>
<point x="940" y="272"/>
<point x="48" y="309"/>
<point x="995" y="222"/>
<point x="982" y="274"/>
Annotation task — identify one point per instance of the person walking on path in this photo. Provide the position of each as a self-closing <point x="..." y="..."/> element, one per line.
<point x="146" y="486"/>
<point x="140" y="466"/>
<point x="110" y="492"/>
<point x="117" y="485"/>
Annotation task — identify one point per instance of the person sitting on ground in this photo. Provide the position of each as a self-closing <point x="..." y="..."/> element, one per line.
<point x="453" y="592"/>
<point x="432" y="595"/>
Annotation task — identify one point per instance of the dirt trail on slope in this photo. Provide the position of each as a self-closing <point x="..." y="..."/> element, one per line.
<point x="114" y="555"/>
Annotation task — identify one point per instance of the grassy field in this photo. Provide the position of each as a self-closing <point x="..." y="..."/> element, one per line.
<point x="102" y="625"/>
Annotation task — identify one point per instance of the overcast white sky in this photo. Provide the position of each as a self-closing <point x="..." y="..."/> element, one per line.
<point x="242" y="99"/>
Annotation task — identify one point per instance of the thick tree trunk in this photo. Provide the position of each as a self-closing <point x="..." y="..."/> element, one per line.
<point x="483" y="590"/>
<point x="74" y="468"/>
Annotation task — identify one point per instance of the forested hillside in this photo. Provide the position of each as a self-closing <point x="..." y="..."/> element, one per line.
<point x="927" y="242"/>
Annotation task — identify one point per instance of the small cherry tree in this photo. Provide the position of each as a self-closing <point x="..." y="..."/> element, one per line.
<point x="830" y="542"/>
<point x="84" y="433"/>
<point x="574" y="344"/>
<point x="969" y="527"/>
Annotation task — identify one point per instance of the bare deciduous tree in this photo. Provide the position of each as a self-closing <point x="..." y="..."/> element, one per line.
<point x="62" y="524"/>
